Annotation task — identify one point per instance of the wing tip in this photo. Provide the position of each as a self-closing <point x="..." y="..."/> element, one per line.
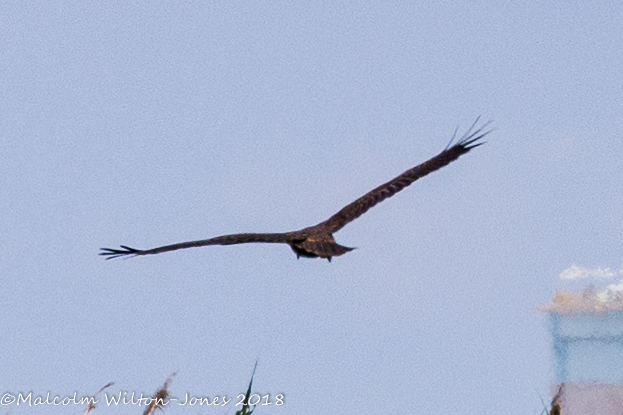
<point x="111" y="253"/>
<point x="470" y="139"/>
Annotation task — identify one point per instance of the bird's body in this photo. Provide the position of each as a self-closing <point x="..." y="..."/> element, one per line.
<point x="317" y="241"/>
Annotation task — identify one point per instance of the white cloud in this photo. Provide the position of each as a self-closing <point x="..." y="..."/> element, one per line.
<point x="575" y="273"/>
<point x="613" y="292"/>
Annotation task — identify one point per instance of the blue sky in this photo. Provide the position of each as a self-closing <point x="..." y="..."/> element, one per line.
<point x="150" y="123"/>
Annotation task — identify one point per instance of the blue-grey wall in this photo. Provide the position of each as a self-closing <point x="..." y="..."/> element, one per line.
<point x="588" y="347"/>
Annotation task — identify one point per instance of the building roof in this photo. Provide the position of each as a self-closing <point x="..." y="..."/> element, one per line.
<point x="591" y="300"/>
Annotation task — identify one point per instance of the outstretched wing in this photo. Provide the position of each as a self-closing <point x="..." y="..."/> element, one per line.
<point x="240" y="238"/>
<point x="370" y="199"/>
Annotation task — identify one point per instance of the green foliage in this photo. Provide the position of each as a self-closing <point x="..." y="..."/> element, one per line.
<point x="246" y="408"/>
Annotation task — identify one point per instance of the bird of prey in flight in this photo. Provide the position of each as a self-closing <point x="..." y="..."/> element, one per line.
<point x="317" y="241"/>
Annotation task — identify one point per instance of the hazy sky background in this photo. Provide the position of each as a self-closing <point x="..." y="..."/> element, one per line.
<point x="150" y="123"/>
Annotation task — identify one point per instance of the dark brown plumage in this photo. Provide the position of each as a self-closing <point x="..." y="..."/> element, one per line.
<point x="556" y="408"/>
<point x="317" y="241"/>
